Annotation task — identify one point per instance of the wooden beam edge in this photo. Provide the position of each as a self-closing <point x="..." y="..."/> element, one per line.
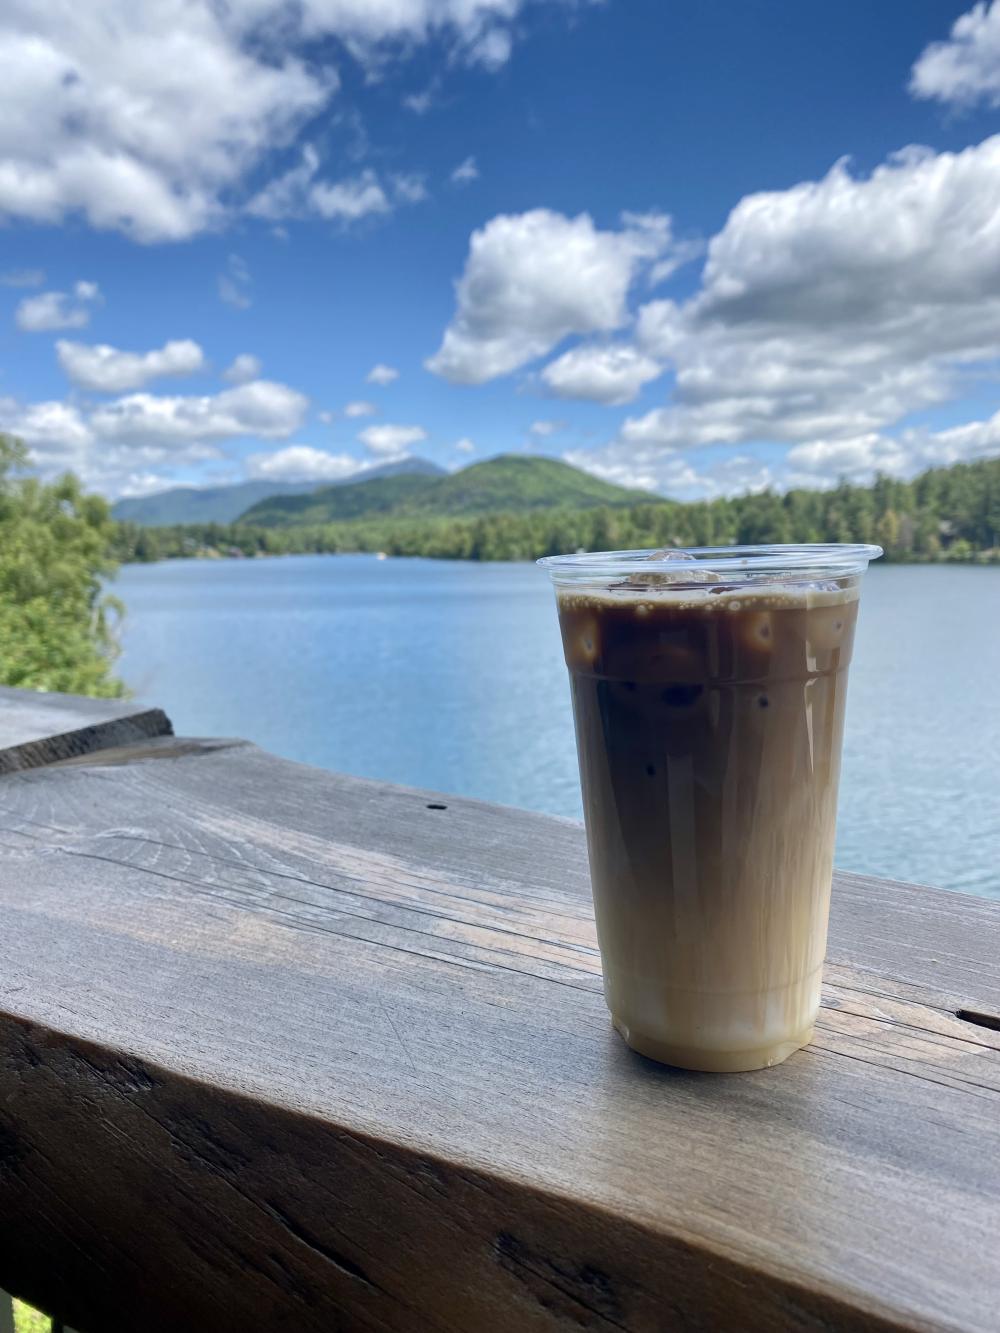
<point x="87" y="740"/>
<point x="334" y="1208"/>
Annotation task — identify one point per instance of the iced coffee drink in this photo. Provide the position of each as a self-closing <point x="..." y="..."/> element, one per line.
<point x="708" y="693"/>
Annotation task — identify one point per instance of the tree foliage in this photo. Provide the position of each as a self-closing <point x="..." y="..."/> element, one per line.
<point x="56" y="620"/>
<point x="948" y="514"/>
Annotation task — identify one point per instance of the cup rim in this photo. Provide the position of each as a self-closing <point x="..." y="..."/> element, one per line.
<point x="808" y="559"/>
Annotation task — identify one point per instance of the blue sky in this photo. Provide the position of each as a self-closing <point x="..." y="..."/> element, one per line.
<point x="662" y="273"/>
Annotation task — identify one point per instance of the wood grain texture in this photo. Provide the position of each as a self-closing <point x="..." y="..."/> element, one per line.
<point x="286" y="1050"/>
<point x="37" y="729"/>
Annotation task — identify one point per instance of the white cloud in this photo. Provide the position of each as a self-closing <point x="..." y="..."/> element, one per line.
<point x="532" y="279"/>
<point x="360" y="409"/>
<point x="107" y="370"/>
<point x="611" y="373"/>
<point x="680" y="477"/>
<point x="389" y="441"/>
<point x="243" y="368"/>
<point x="116" y="446"/>
<point x="258" y="408"/>
<point x="860" y="458"/>
<point x="58" y="310"/>
<point x="61" y="437"/>
<point x="150" y="118"/>
<point x="492" y="49"/>
<point x="327" y="418"/>
<point x="546" y="428"/>
<point x="465" y="446"/>
<point x="834" y="309"/>
<point x="22" y="277"/>
<point x="234" y="283"/>
<point x="408" y="187"/>
<point x="301" y="462"/>
<point x="691" y="475"/>
<point x="349" y="200"/>
<point x="382" y="374"/>
<point x="299" y="194"/>
<point x="45" y="425"/>
<point x="419" y="103"/>
<point x="140" y="116"/>
<point x="465" y="173"/>
<point x="965" y="69"/>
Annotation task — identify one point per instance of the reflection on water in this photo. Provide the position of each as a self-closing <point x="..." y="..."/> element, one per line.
<point x="450" y="676"/>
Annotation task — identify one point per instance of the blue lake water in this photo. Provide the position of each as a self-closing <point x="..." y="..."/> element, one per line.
<point x="450" y="676"/>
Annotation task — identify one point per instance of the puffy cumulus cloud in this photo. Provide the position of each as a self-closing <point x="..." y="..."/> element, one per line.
<point x="532" y="279"/>
<point x="465" y="446"/>
<point x="546" y="428"/>
<point x="243" y="368"/>
<point x="139" y="117"/>
<point x="465" y="173"/>
<point x="965" y="69"/>
<point x="831" y="310"/>
<point x="301" y="462"/>
<point x="834" y="309"/>
<point x="611" y="373"/>
<point x="388" y="441"/>
<point x="105" y="369"/>
<point x="360" y="409"/>
<point x="51" y="426"/>
<point x="861" y="457"/>
<point x="114" y="445"/>
<point x="382" y="374"/>
<point x="149" y="118"/>
<point x="701" y="474"/>
<point x="679" y="476"/>
<point x="49" y="311"/>
<point x="61" y="437"/>
<point x="260" y="407"/>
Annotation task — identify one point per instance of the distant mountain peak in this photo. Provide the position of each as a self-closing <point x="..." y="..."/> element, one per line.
<point x="224" y="504"/>
<point x="508" y="483"/>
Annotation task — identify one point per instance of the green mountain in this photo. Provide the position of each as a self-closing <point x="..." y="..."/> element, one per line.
<point x="224" y="504"/>
<point x="507" y="484"/>
<point x="332" y="504"/>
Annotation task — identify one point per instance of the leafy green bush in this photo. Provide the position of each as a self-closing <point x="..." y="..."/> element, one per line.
<point x="56" y="620"/>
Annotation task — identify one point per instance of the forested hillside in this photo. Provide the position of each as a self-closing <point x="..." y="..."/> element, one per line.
<point x="947" y="513"/>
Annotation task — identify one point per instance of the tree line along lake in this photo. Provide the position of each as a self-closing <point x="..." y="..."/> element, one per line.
<point x="449" y="675"/>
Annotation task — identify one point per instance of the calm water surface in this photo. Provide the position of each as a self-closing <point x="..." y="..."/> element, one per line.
<point x="450" y="676"/>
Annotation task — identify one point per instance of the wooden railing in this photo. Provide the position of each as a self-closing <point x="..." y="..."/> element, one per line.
<point x="281" y="1049"/>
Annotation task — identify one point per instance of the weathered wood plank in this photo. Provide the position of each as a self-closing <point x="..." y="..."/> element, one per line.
<point x="37" y="729"/>
<point x="281" y="1049"/>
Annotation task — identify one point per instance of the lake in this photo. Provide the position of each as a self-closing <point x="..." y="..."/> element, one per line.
<point x="450" y="675"/>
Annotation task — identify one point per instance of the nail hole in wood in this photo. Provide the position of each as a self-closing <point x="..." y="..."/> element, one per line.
<point x="436" y="805"/>
<point x="980" y="1020"/>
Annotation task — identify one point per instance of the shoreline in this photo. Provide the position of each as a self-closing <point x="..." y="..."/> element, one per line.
<point x="982" y="559"/>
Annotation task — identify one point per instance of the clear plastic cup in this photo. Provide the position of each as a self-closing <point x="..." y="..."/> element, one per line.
<point x="709" y="688"/>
